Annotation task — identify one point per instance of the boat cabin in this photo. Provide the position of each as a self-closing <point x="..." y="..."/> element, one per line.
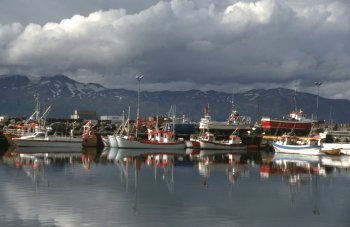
<point x="235" y="139"/>
<point x="297" y="115"/>
<point x="208" y="137"/>
<point x="160" y="135"/>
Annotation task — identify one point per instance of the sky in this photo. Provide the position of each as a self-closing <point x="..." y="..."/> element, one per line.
<point x="225" y="45"/>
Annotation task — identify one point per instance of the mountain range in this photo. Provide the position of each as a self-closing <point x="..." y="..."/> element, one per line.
<point x="67" y="95"/>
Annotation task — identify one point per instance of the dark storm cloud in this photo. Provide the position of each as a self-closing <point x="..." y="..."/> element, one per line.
<point x="183" y="44"/>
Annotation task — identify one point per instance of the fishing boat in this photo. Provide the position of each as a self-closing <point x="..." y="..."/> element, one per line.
<point x="89" y="137"/>
<point x="334" y="151"/>
<point x="209" y="142"/>
<point x="242" y="125"/>
<point x="42" y="139"/>
<point x="157" y="139"/>
<point x="234" y="121"/>
<point x="296" y="145"/>
<point x="296" y="121"/>
<point x="35" y="123"/>
<point x="336" y="140"/>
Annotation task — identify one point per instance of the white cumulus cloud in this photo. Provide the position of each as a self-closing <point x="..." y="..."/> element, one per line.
<point x="182" y="43"/>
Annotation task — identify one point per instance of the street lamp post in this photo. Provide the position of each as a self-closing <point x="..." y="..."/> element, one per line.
<point x="139" y="78"/>
<point x="317" y="84"/>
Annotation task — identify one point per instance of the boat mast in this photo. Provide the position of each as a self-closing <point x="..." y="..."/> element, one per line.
<point x="128" y="123"/>
<point x="174" y="116"/>
<point x="295" y="100"/>
<point x="232" y="102"/>
<point x="331" y="118"/>
<point x="37" y="108"/>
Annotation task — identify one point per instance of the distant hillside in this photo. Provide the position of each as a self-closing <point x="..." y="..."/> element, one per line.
<point x="67" y="95"/>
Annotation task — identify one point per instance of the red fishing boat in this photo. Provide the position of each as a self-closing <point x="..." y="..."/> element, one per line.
<point x="296" y="121"/>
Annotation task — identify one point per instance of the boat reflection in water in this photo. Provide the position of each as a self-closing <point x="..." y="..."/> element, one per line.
<point x="189" y="188"/>
<point x="88" y="155"/>
<point x="53" y="155"/>
<point x="337" y="162"/>
<point x="302" y="164"/>
<point x="47" y="150"/>
<point x="293" y="165"/>
<point x="228" y="161"/>
<point x="157" y="158"/>
<point x="303" y="172"/>
<point x="32" y="160"/>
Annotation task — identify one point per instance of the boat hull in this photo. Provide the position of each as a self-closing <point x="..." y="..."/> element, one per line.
<point x="220" y="146"/>
<point x="297" y="149"/>
<point x="147" y="144"/>
<point x="268" y="124"/>
<point x="192" y="144"/>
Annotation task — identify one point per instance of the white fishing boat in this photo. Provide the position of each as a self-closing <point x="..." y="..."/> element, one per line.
<point x="295" y="145"/>
<point x="209" y="142"/>
<point x="42" y="139"/>
<point x="158" y="138"/>
<point x="35" y="123"/>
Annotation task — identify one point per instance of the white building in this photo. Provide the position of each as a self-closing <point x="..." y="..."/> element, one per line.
<point x="112" y="119"/>
<point x="84" y="115"/>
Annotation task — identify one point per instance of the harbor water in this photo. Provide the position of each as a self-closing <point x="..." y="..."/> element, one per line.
<point x="114" y="187"/>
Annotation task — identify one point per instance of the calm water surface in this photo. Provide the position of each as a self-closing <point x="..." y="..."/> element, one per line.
<point x="172" y="188"/>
